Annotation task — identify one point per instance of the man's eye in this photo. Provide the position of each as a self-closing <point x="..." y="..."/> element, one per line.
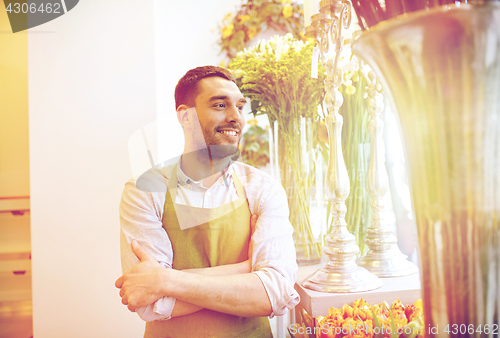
<point x="240" y="108"/>
<point x="220" y="105"/>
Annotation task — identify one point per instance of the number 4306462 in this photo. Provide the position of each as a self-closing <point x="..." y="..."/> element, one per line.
<point x="463" y="329"/>
<point x="32" y="8"/>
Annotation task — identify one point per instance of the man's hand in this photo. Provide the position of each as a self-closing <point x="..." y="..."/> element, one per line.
<point x="141" y="285"/>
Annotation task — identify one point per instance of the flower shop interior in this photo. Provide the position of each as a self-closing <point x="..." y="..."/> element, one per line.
<point x="380" y="118"/>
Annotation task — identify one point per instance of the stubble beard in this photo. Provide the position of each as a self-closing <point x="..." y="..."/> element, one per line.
<point x="216" y="149"/>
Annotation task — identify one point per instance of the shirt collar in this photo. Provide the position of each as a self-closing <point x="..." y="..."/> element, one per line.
<point x="185" y="179"/>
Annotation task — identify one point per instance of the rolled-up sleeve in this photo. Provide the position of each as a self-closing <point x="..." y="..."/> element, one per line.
<point x="273" y="251"/>
<point x="140" y="220"/>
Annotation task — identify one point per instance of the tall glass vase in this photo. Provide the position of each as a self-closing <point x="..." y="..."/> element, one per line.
<point x="442" y="68"/>
<point x="297" y="161"/>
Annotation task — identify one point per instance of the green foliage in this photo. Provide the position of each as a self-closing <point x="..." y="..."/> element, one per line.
<point x="255" y="149"/>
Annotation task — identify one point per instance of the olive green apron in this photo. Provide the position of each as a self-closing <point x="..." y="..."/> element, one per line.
<point x="223" y="239"/>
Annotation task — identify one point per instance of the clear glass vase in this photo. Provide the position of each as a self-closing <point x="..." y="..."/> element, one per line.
<point x="297" y="161"/>
<point x="442" y="68"/>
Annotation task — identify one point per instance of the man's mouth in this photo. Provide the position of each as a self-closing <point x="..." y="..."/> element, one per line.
<point x="228" y="132"/>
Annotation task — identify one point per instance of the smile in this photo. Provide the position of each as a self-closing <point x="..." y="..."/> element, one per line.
<point x="228" y="132"/>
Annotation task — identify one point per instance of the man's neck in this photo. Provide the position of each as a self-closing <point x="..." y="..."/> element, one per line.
<point x="200" y="166"/>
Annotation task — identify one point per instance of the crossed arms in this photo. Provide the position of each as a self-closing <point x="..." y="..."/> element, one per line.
<point x="246" y="289"/>
<point x="228" y="288"/>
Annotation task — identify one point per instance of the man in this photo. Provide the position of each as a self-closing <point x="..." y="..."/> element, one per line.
<point x="212" y="235"/>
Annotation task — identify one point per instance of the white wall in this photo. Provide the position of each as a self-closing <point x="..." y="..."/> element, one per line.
<point x="186" y="37"/>
<point x="91" y="83"/>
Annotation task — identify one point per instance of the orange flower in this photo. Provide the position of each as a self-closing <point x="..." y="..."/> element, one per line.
<point x="327" y="324"/>
<point x="398" y="310"/>
<point x="334" y="318"/>
<point x="357" y="321"/>
<point x="353" y="328"/>
<point x="347" y="311"/>
<point x="414" y="311"/>
<point x="360" y="303"/>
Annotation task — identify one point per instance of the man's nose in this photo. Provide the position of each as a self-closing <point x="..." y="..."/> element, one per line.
<point x="233" y="114"/>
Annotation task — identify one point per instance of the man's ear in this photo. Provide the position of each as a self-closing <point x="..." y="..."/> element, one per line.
<point x="183" y="115"/>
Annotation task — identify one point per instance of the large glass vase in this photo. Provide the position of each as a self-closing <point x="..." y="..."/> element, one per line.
<point x="442" y="68"/>
<point x="297" y="161"/>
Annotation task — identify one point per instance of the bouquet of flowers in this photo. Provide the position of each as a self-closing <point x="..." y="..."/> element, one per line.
<point x="255" y="16"/>
<point x="380" y="320"/>
<point x="276" y="76"/>
<point x="362" y="320"/>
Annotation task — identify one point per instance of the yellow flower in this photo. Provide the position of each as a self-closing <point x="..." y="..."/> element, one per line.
<point x="227" y="31"/>
<point x="350" y="89"/>
<point x="286" y="1"/>
<point x="227" y="17"/>
<point x="287" y="11"/>
<point x="243" y="18"/>
<point x="252" y="122"/>
<point x="252" y="31"/>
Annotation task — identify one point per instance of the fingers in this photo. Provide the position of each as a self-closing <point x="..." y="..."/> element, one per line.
<point x="138" y="250"/>
<point x="125" y="301"/>
<point x="119" y="282"/>
<point x="141" y="253"/>
<point x="129" y="305"/>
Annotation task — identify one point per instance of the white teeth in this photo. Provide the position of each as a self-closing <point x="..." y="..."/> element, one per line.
<point x="228" y="132"/>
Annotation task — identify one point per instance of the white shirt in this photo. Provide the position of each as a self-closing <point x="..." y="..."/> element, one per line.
<point x="273" y="251"/>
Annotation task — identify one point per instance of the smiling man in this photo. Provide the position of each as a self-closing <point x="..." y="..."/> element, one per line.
<point x="206" y="244"/>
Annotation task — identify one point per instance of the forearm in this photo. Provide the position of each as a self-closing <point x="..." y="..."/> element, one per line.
<point x="182" y="308"/>
<point x="241" y="294"/>
<point x="224" y="270"/>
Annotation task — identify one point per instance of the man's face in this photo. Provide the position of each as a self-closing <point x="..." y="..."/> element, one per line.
<point x="219" y="106"/>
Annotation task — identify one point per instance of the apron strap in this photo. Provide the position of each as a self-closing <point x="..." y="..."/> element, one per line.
<point x="172" y="186"/>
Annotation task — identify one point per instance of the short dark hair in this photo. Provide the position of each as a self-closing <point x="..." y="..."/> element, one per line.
<point x="187" y="87"/>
